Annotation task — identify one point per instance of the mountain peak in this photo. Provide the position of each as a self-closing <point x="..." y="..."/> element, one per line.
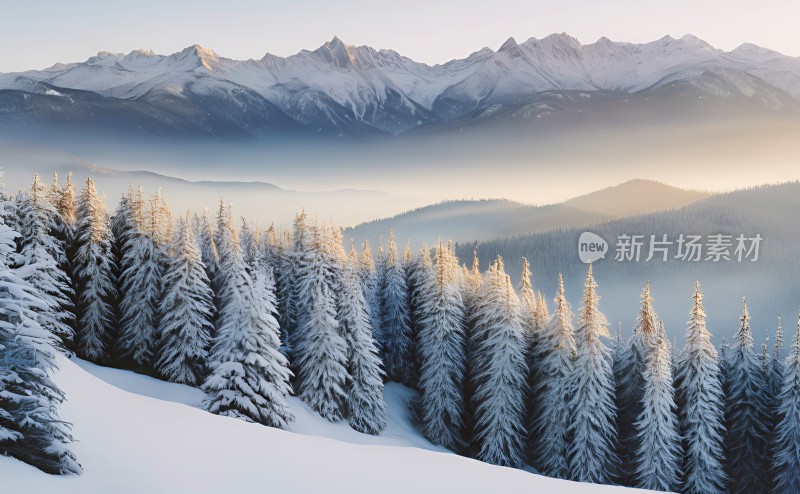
<point x="197" y="56"/>
<point x="508" y="45"/>
<point x="338" y="53"/>
<point x="691" y="38"/>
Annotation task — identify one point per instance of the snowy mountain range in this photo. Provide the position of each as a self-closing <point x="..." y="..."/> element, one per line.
<point x="344" y="90"/>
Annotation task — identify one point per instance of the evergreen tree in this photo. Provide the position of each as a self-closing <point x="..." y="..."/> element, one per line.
<point x="419" y="275"/>
<point x="747" y="417"/>
<point x="630" y="386"/>
<point x="787" y="433"/>
<point x="42" y="256"/>
<point x="592" y="455"/>
<point x="319" y="348"/>
<point x="372" y="292"/>
<point x="658" y="439"/>
<point x="205" y="240"/>
<point x="702" y="414"/>
<point x="140" y="286"/>
<point x="296" y="261"/>
<point x="187" y="313"/>
<point x="555" y="380"/>
<point x="442" y="352"/>
<point x="498" y="372"/>
<point x="30" y="428"/>
<point x="249" y="376"/>
<point x="396" y="323"/>
<point x="366" y="410"/>
<point x="94" y="269"/>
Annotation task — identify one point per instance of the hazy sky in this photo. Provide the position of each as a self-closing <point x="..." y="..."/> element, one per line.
<point x="36" y="35"/>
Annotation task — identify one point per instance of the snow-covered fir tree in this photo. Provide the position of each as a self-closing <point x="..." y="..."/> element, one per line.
<point x="187" y="311"/>
<point x="319" y="347"/>
<point x="442" y="352"/>
<point x="366" y="409"/>
<point x="397" y="342"/>
<point x="140" y="286"/>
<point x="746" y="416"/>
<point x="224" y="281"/>
<point x="291" y="301"/>
<point x="43" y="256"/>
<point x="530" y="323"/>
<point x="592" y="429"/>
<point x="205" y="240"/>
<point x="701" y="417"/>
<point x="30" y="428"/>
<point x="658" y="438"/>
<point x="249" y="376"/>
<point x="498" y="372"/>
<point x="419" y="275"/>
<point x="630" y="386"/>
<point x="372" y="291"/>
<point x="774" y="376"/>
<point x="786" y="461"/>
<point x="555" y="376"/>
<point x="94" y="270"/>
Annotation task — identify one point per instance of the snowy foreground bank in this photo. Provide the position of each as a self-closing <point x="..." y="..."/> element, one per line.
<point x="140" y="435"/>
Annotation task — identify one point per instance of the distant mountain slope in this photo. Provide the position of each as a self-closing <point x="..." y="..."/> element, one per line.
<point x="770" y="284"/>
<point x="342" y="90"/>
<point x="634" y="197"/>
<point x="481" y="220"/>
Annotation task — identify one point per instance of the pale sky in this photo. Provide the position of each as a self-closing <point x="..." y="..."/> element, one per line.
<point x="38" y="34"/>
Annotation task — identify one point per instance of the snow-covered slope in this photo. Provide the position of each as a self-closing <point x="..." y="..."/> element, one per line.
<point x="139" y="435"/>
<point x="339" y="89"/>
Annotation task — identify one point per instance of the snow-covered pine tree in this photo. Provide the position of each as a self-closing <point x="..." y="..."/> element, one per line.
<point x="631" y="385"/>
<point x="140" y="287"/>
<point x="205" y="240"/>
<point x="397" y="343"/>
<point x="42" y="258"/>
<point x="291" y="302"/>
<point x="592" y="429"/>
<point x="747" y="416"/>
<point x="187" y="308"/>
<point x="658" y="438"/>
<point x="248" y="244"/>
<point x="66" y="204"/>
<point x="372" y="292"/>
<point x="94" y="270"/>
<point x="319" y="348"/>
<point x="224" y="281"/>
<point x="702" y="415"/>
<point x="471" y="290"/>
<point x="249" y="376"/>
<point x="366" y="410"/>
<point x="555" y="380"/>
<point x="775" y="369"/>
<point x="442" y="352"/>
<point x="529" y="312"/>
<point x="786" y="462"/>
<point x="30" y="428"/>
<point x="419" y="276"/>
<point x="498" y="372"/>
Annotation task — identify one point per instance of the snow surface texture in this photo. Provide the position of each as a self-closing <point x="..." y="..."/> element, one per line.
<point x="137" y="434"/>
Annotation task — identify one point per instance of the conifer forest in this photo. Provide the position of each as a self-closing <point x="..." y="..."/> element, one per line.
<point x="501" y="372"/>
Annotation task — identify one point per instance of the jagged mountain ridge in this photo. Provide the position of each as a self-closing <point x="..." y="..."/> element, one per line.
<point x="339" y="89"/>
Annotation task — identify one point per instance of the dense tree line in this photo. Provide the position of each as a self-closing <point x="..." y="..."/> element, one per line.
<point x="253" y="316"/>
